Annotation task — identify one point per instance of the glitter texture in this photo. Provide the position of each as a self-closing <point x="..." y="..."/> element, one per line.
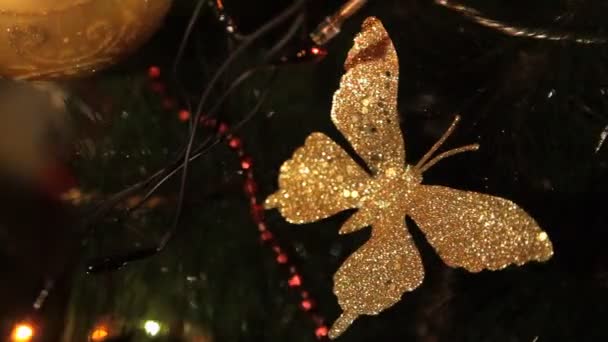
<point x="467" y="229"/>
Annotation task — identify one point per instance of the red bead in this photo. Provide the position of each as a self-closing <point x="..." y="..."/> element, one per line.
<point x="250" y="187"/>
<point x="223" y="128"/>
<point x="184" y="115"/>
<point x="157" y="87"/>
<point x="282" y="259"/>
<point x="321" y="331"/>
<point x="266" y="235"/>
<point x="306" y="304"/>
<point x="154" y="72"/>
<point x="295" y="281"/>
<point x="234" y="143"/>
<point x="262" y="227"/>
<point x="246" y="163"/>
<point x="257" y="212"/>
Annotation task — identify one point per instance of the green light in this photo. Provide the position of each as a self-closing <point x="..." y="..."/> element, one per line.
<point x="152" y="328"/>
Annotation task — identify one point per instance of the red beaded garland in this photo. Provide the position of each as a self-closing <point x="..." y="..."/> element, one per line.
<point x="266" y="236"/>
<point x="321" y="331"/>
<point x="257" y="212"/>
<point x="306" y="304"/>
<point x="183" y="115"/>
<point x="154" y="72"/>
<point x="222" y="128"/>
<point x="234" y="143"/>
<point x="250" y="189"/>
<point x="282" y="258"/>
<point x="294" y="281"/>
<point x="246" y="163"/>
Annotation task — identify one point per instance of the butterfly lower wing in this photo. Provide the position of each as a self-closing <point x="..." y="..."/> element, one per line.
<point x="375" y="276"/>
<point x="320" y="180"/>
<point x="365" y="107"/>
<point x="478" y="231"/>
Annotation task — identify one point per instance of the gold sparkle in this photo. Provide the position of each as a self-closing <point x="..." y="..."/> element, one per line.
<point x="467" y="229"/>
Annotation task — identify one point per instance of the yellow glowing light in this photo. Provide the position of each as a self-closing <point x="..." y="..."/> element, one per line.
<point x="152" y="328"/>
<point x="22" y="333"/>
<point x="99" y="334"/>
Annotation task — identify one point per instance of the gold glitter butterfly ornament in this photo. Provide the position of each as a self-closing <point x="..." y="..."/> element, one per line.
<point x="467" y="229"/>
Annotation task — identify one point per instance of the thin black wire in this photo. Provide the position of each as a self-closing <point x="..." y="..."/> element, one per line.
<point x="204" y="150"/>
<point x="166" y="173"/>
<point x="182" y="48"/>
<point x="517" y="31"/>
<point x="184" y="42"/>
<point x="116" y="198"/>
<point x="286" y="38"/>
<point x="235" y="84"/>
<point x="111" y="202"/>
<point x="201" y="148"/>
<point x="250" y="39"/>
<point x="109" y="263"/>
<point x="114" y="262"/>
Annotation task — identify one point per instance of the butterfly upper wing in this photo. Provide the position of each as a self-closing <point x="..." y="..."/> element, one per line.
<point x="478" y="231"/>
<point x="375" y="276"/>
<point x="365" y="107"/>
<point x="319" y="180"/>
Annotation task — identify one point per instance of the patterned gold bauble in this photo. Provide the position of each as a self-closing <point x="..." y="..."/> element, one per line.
<point x="43" y="39"/>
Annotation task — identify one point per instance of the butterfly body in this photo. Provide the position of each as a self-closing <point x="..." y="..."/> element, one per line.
<point x="467" y="229"/>
<point x="393" y="187"/>
<point x="391" y="192"/>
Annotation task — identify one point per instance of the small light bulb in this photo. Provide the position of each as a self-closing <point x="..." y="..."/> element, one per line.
<point x="22" y="333"/>
<point x="99" y="334"/>
<point x="152" y="328"/>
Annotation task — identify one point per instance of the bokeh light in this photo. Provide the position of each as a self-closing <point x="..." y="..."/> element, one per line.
<point x="152" y="328"/>
<point x="99" y="334"/>
<point x="22" y="332"/>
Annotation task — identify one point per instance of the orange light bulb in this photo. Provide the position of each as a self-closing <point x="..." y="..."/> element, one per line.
<point x="99" y="334"/>
<point x="22" y="332"/>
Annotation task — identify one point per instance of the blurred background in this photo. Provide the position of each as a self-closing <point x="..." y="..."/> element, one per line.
<point x="103" y="239"/>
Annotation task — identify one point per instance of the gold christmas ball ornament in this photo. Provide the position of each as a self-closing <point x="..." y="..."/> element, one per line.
<point x="44" y="39"/>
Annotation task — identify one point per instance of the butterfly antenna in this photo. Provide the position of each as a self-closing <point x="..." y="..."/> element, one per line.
<point x="467" y="148"/>
<point x="438" y="144"/>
